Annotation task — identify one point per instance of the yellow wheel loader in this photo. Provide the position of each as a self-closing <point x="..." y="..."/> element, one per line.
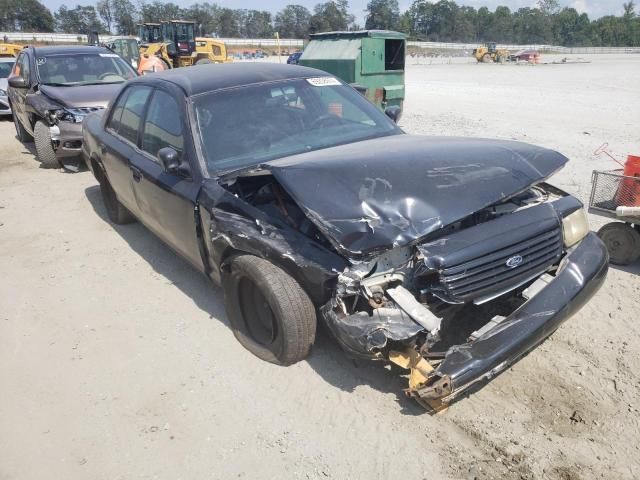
<point x="489" y="53"/>
<point x="10" y="49"/>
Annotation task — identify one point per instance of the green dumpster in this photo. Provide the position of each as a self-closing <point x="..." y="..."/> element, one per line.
<point x="370" y="60"/>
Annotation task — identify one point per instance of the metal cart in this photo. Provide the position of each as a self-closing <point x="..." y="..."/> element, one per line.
<point x="615" y="195"/>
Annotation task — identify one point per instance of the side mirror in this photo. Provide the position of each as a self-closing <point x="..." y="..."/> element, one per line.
<point x="17" y="82"/>
<point x="394" y="112"/>
<point x="170" y="160"/>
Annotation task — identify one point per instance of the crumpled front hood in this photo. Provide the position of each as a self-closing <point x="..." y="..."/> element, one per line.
<point x="82" y="96"/>
<point x="378" y="194"/>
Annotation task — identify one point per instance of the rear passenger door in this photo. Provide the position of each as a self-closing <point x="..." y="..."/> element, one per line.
<point x="166" y="201"/>
<point x="120" y="143"/>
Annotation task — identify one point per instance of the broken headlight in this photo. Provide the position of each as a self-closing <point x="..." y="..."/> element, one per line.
<point x="575" y="227"/>
<point x="64" y="115"/>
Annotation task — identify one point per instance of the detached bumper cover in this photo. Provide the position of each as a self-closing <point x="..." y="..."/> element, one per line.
<point x="464" y="365"/>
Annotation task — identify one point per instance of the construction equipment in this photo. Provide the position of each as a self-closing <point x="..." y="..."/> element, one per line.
<point x="210" y="50"/>
<point x="10" y="49"/>
<point x="616" y="194"/>
<point x="127" y="48"/>
<point x="372" y="61"/>
<point x="173" y="44"/>
<point x="490" y="53"/>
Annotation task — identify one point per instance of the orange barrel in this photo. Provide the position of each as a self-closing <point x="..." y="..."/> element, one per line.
<point x="628" y="194"/>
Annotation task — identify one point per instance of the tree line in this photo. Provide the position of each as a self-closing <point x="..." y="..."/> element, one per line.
<point x="442" y="21"/>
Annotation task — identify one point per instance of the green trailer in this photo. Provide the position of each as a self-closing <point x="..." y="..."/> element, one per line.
<point x="370" y="60"/>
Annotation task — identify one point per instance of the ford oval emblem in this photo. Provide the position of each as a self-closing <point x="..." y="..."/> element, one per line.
<point x="514" y="261"/>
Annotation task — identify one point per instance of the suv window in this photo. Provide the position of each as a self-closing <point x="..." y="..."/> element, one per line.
<point x="163" y="125"/>
<point x="132" y="111"/>
<point x="22" y="67"/>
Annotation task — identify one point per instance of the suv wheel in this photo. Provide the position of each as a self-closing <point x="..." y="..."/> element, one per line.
<point x="44" y="148"/>
<point x="269" y="312"/>
<point x="21" y="132"/>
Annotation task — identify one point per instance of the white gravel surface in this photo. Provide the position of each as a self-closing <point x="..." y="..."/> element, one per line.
<point x="116" y="360"/>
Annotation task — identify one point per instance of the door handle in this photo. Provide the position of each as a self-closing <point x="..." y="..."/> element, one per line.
<point x="103" y="148"/>
<point x="137" y="174"/>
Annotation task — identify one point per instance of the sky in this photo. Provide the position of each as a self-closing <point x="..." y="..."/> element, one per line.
<point x="595" y="8"/>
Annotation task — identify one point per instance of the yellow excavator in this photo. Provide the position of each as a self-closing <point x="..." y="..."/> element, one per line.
<point x="173" y="44"/>
<point x="490" y="53"/>
<point x="10" y="49"/>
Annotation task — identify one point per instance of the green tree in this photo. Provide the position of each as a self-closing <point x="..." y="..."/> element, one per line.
<point x="382" y="15"/>
<point x="293" y="22"/>
<point x="78" y="20"/>
<point x="105" y="10"/>
<point x="257" y="24"/>
<point x="26" y="16"/>
<point x="206" y="17"/>
<point x="125" y="17"/>
<point x="228" y="25"/>
<point x="330" y="16"/>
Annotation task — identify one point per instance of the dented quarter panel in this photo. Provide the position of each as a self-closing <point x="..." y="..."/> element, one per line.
<point x="378" y="194"/>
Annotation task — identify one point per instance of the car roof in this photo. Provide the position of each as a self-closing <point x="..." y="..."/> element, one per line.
<point x="67" y="49"/>
<point x="207" y="78"/>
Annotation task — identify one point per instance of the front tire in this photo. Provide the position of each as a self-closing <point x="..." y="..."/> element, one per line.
<point x="270" y="313"/>
<point x="45" y="153"/>
<point x="622" y="242"/>
<point x="117" y="212"/>
<point x="21" y="132"/>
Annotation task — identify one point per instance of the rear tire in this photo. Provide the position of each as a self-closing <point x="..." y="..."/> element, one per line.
<point x="45" y="153"/>
<point x="21" y="132"/>
<point x="270" y="313"/>
<point x="117" y="212"/>
<point x="622" y="242"/>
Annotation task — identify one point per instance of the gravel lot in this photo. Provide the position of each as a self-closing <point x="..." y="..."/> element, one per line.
<point x="116" y="360"/>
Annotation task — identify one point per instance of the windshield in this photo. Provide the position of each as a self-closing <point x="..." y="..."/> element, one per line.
<point x="249" y="125"/>
<point x="83" y="69"/>
<point x="5" y="69"/>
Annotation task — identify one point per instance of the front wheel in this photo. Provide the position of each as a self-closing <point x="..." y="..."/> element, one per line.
<point x="622" y="242"/>
<point x="21" y="132"/>
<point x="45" y="153"/>
<point x="270" y="313"/>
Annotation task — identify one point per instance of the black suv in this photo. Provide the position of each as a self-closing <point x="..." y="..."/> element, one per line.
<point x="52" y="89"/>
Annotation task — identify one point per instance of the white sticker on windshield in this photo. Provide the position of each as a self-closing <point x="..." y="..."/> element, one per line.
<point x="110" y="55"/>
<point x="41" y="60"/>
<point x="323" y="81"/>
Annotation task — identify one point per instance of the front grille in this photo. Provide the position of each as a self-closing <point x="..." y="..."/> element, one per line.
<point x="490" y="275"/>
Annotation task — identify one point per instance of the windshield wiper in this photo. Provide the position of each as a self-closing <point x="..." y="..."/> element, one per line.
<point x="100" y="83"/>
<point x="55" y="84"/>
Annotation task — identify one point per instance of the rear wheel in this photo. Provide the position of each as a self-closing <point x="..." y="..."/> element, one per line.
<point x="622" y="242"/>
<point x="117" y="212"/>
<point x="270" y="314"/>
<point x="45" y="153"/>
<point x="21" y="132"/>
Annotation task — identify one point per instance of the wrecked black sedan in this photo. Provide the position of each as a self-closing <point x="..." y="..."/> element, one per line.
<point x="450" y="257"/>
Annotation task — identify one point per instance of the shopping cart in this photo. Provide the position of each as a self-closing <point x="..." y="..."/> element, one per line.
<point x="615" y="195"/>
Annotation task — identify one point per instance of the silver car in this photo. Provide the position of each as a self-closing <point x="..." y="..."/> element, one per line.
<point x="6" y="65"/>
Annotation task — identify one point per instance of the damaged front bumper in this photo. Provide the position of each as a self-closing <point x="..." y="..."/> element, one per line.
<point x="67" y="138"/>
<point x="580" y="276"/>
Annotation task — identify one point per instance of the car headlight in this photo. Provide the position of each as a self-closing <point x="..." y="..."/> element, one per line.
<point x="67" y="116"/>
<point x="575" y="227"/>
<point x="3" y="93"/>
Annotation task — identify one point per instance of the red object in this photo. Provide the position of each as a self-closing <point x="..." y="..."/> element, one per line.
<point x="629" y="190"/>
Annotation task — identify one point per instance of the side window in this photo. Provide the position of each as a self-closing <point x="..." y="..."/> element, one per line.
<point x="163" y="125"/>
<point x="21" y="68"/>
<point x="132" y="113"/>
<point x="116" y="113"/>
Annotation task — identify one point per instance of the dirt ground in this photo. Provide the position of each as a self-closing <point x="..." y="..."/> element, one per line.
<point x="116" y="360"/>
